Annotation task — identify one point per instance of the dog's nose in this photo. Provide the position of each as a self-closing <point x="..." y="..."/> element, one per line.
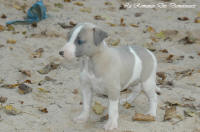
<point x="61" y="53"/>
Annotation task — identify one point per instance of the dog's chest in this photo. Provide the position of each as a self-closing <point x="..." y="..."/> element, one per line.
<point x="96" y="83"/>
<point x="89" y="77"/>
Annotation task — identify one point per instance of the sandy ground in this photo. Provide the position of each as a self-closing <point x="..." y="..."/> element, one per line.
<point x="61" y="101"/>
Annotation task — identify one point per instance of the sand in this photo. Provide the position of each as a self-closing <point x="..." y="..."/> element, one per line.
<point x="62" y="103"/>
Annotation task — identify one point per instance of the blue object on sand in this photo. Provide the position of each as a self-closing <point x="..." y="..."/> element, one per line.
<point x="35" y="14"/>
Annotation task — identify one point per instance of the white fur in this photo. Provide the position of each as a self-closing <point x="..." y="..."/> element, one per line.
<point x="154" y="60"/>
<point x="89" y="80"/>
<point x="104" y="43"/>
<point x="136" y="70"/>
<point x="69" y="51"/>
<point x="86" y="93"/>
<point x="149" y="87"/>
<point x="135" y="92"/>
<point x="75" y="34"/>
<point x="113" y="113"/>
<point x="70" y="48"/>
<point x="87" y="96"/>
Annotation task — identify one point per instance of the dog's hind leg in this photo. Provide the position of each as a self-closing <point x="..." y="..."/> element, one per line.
<point x="135" y="92"/>
<point x="149" y="88"/>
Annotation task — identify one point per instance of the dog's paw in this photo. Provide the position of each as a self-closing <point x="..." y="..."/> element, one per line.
<point x="81" y="118"/>
<point x="110" y="125"/>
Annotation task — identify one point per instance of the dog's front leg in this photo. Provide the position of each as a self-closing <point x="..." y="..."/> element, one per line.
<point x="113" y="113"/>
<point x="87" y="99"/>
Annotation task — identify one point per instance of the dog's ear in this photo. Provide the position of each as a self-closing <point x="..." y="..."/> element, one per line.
<point x="99" y="35"/>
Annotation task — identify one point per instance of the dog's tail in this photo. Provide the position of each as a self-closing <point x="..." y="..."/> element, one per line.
<point x="158" y="91"/>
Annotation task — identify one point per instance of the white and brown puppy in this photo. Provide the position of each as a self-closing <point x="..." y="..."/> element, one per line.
<point x="108" y="70"/>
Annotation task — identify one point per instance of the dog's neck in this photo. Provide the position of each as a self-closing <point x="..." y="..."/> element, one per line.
<point x="102" y="50"/>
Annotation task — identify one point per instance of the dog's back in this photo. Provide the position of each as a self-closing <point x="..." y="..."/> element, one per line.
<point x="149" y="63"/>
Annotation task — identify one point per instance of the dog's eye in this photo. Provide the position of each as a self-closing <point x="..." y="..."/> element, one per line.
<point x="80" y="41"/>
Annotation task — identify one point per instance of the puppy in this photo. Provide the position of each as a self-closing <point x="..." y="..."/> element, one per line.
<point x="108" y="70"/>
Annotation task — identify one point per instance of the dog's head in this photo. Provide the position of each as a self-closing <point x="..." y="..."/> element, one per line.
<point x="83" y="39"/>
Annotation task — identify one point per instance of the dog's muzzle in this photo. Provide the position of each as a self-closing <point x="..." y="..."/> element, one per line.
<point x="68" y="51"/>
